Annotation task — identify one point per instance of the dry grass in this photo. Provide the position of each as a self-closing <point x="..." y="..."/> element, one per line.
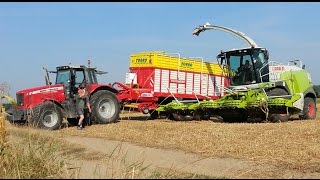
<point x="46" y="151"/>
<point x="30" y="156"/>
<point x="294" y="145"/>
<point x="2" y="125"/>
<point x="288" y="146"/>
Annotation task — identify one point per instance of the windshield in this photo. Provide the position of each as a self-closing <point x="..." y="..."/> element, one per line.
<point x="63" y="76"/>
<point x="241" y="69"/>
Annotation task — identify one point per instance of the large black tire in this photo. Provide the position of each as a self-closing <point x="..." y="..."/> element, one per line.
<point x="233" y="119"/>
<point x="278" y="117"/>
<point x="105" y="107"/>
<point x="73" y="121"/>
<point x="46" y="116"/>
<point x="154" y="115"/>
<point x="309" y="109"/>
<point x="179" y="117"/>
<point x="201" y="115"/>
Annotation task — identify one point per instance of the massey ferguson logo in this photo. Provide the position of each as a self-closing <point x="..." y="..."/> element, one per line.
<point x="46" y="90"/>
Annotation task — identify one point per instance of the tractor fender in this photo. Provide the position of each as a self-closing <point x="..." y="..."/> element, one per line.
<point x="53" y="101"/>
<point x="109" y="88"/>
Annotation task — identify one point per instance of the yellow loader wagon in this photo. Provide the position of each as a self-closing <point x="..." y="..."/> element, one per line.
<point x="157" y="77"/>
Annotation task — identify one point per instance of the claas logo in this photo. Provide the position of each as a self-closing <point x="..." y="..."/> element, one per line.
<point x="278" y="68"/>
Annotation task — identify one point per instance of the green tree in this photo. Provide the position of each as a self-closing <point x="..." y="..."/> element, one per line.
<point x="317" y="90"/>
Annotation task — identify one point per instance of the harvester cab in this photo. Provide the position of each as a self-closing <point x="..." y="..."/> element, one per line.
<point x="246" y="66"/>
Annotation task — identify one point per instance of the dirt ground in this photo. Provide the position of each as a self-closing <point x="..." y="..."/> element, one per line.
<point x="141" y="161"/>
<point x="175" y="160"/>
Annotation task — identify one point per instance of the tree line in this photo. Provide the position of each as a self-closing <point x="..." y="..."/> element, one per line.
<point x="317" y="90"/>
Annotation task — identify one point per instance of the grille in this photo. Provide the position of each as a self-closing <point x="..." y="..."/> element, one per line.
<point x="20" y="98"/>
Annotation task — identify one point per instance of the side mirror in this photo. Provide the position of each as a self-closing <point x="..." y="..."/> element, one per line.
<point x="304" y="66"/>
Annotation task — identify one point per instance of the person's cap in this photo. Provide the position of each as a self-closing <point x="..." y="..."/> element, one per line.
<point x="82" y="86"/>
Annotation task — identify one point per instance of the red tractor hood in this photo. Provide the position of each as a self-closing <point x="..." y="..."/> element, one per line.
<point x="41" y="89"/>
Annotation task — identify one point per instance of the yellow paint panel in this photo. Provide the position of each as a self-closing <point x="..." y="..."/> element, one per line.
<point x="159" y="59"/>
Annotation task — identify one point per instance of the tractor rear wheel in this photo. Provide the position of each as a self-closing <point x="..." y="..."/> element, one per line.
<point x="47" y="116"/>
<point x="106" y="107"/>
<point x="309" y="108"/>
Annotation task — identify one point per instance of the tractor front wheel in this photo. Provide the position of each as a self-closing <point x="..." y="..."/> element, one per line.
<point x="73" y="121"/>
<point x="47" y="116"/>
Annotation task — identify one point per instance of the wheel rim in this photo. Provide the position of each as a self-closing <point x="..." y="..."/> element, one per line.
<point x="311" y="109"/>
<point x="50" y="118"/>
<point x="106" y="108"/>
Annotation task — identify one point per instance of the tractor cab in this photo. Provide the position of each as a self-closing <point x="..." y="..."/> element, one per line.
<point x="245" y="66"/>
<point x="71" y="76"/>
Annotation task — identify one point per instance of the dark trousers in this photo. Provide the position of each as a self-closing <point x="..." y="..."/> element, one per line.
<point x="87" y="118"/>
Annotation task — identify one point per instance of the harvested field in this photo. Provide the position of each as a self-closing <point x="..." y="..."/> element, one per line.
<point x="288" y="147"/>
<point x="294" y="144"/>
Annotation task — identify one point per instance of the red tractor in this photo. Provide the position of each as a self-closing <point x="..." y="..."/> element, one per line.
<point x="46" y="106"/>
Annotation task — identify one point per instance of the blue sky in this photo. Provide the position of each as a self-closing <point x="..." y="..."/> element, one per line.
<point x="53" y="34"/>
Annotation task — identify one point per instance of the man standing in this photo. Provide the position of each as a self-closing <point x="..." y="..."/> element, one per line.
<point x="82" y="102"/>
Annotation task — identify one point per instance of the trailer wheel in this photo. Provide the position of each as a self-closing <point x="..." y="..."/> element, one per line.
<point x="46" y="116"/>
<point x="309" y="108"/>
<point x="106" y="107"/>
